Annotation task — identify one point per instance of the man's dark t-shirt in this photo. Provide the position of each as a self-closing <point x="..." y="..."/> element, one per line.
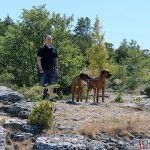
<point x="48" y="55"/>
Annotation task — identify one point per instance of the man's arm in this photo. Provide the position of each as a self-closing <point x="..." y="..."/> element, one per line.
<point x="40" y="64"/>
<point x="56" y="64"/>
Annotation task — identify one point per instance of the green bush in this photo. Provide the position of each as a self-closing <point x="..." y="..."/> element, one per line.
<point x="6" y="79"/>
<point x="35" y="93"/>
<point x="31" y="94"/>
<point x="119" y="98"/>
<point x="147" y="91"/>
<point x="42" y="114"/>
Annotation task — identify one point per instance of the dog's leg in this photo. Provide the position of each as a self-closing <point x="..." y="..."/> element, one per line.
<point x="77" y="99"/>
<point x="77" y="94"/>
<point x="87" y="95"/>
<point x="73" y="94"/>
<point x="97" y="95"/>
<point x="94" y="96"/>
<point x="81" y="92"/>
<point x="103" y="91"/>
<point x="72" y="97"/>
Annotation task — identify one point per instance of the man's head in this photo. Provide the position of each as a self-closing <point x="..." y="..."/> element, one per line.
<point x="48" y="40"/>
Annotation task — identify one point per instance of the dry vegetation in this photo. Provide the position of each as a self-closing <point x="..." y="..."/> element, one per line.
<point x="24" y="145"/>
<point x="109" y="118"/>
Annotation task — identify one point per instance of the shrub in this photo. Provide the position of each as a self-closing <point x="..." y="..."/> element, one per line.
<point x="35" y="93"/>
<point x="31" y="94"/>
<point x="41" y="114"/>
<point x="138" y="103"/>
<point x="147" y="91"/>
<point x="119" y="98"/>
<point x="6" y="79"/>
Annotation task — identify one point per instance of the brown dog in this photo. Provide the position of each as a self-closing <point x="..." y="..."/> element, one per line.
<point x="98" y="84"/>
<point x="77" y="86"/>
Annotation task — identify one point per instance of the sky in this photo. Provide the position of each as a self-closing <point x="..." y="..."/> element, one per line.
<point x="120" y="19"/>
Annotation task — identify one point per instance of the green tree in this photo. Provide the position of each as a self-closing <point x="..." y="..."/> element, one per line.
<point x="82" y="36"/>
<point x="111" y="50"/>
<point x="3" y="29"/>
<point x="36" y="25"/>
<point x="122" y="52"/>
<point x="97" y="53"/>
<point x="135" y="68"/>
<point x="16" y="58"/>
<point x="8" y="21"/>
<point x="21" y="41"/>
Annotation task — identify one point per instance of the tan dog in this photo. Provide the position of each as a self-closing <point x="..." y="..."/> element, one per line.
<point x="98" y="84"/>
<point x="77" y="86"/>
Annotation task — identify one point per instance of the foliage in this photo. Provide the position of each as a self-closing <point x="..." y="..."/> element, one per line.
<point x="70" y="64"/>
<point x="83" y="34"/>
<point x="50" y="91"/>
<point x="147" y="91"/>
<point x="42" y="114"/>
<point x="119" y="98"/>
<point x="97" y="53"/>
<point x="35" y="93"/>
<point x="98" y="59"/>
<point x="138" y="100"/>
<point x="6" y="79"/>
<point x="111" y="51"/>
<point x="122" y="52"/>
<point x="16" y="57"/>
<point x="138" y="103"/>
<point x="80" y="46"/>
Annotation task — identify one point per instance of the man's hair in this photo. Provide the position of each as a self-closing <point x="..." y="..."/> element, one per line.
<point x="48" y="35"/>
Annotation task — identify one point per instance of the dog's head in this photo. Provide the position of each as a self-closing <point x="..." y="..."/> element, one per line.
<point x="106" y="73"/>
<point x="84" y="76"/>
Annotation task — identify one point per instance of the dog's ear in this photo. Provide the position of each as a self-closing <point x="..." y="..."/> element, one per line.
<point x="103" y="72"/>
<point x="81" y="75"/>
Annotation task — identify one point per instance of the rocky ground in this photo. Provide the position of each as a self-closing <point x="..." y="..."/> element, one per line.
<point x="86" y="126"/>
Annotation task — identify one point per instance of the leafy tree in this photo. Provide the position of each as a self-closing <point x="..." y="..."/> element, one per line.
<point x="3" y="29"/>
<point x="16" y="58"/>
<point x="131" y="59"/>
<point x="122" y="52"/>
<point x="8" y="21"/>
<point x="22" y="41"/>
<point x="71" y="63"/>
<point x="83" y="34"/>
<point x="146" y="53"/>
<point x="36" y="24"/>
<point x="110" y="49"/>
<point x="60" y="24"/>
<point x="97" y="37"/>
<point x="135" y="68"/>
<point x="97" y="53"/>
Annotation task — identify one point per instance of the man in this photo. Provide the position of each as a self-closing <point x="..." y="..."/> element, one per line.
<point x="47" y="60"/>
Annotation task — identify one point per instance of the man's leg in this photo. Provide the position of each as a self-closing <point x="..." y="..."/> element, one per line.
<point x="51" y="77"/>
<point x="51" y="80"/>
<point x="42" y="82"/>
<point x="42" y="78"/>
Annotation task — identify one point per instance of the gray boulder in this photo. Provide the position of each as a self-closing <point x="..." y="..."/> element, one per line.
<point x="9" y="96"/>
<point x="21" y="125"/>
<point x="2" y="138"/>
<point x="21" y="109"/>
<point x="66" y="142"/>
